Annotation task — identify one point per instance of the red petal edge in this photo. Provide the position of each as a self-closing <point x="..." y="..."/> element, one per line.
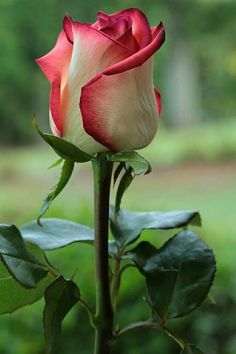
<point x="158" y="100"/>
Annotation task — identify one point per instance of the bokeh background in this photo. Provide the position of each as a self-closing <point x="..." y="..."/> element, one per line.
<point x="193" y="159"/>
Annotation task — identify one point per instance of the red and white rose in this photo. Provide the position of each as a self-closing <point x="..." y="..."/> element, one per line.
<point x="102" y="94"/>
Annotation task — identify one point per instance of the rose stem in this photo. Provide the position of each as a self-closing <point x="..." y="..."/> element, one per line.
<point x="104" y="314"/>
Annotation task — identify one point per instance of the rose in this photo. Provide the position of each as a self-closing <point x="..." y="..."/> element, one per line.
<point x="102" y="94"/>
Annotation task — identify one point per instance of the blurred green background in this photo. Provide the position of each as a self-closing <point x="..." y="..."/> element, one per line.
<point x="193" y="159"/>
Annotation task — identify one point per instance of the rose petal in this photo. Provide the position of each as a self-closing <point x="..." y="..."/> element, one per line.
<point x="55" y="66"/>
<point x="141" y="56"/>
<point x="140" y="26"/>
<point x="129" y="41"/>
<point x="119" y="25"/>
<point x="116" y="26"/>
<point x="103" y="18"/>
<point x="119" y="28"/>
<point x="69" y="24"/>
<point x="120" y="110"/>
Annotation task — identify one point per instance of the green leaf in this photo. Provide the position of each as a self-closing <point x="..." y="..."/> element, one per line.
<point x="128" y="225"/>
<point x="133" y="160"/>
<point x="191" y="349"/>
<point x="60" y="297"/>
<point x="56" y="233"/>
<point x="178" y="276"/>
<point x="125" y="181"/>
<point x="13" y="296"/>
<point x="63" y="148"/>
<point x="65" y="175"/>
<point x="18" y="259"/>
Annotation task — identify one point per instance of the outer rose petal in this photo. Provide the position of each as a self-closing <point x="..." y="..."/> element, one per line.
<point x="55" y="66"/>
<point x="123" y="106"/>
<point x="92" y="53"/>
<point x="127" y="86"/>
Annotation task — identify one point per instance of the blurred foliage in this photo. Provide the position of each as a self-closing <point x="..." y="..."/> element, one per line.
<point x="208" y="187"/>
<point x="209" y="141"/>
<point x="206" y="28"/>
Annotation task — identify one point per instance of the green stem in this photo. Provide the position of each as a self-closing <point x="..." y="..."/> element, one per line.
<point x="116" y="280"/>
<point x="104" y="313"/>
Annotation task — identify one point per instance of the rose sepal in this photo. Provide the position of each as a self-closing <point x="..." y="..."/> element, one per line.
<point x="132" y="159"/>
<point x="65" y="175"/>
<point x="62" y="147"/>
<point x="133" y="165"/>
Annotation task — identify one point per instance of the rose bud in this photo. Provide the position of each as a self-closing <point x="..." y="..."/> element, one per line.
<point x="102" y="94"/>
